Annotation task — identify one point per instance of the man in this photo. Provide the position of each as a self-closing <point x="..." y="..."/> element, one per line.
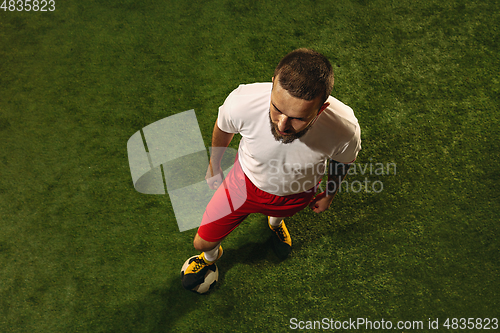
<point x="289" y="129"/>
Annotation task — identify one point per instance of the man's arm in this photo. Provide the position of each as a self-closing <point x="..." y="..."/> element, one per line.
<point x="336" y="173"/>
<point x="220" y="141"/>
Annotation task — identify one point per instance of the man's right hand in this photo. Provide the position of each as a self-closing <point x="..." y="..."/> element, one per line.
<point x="220" y="141"/>
<point x="214" y="177"/>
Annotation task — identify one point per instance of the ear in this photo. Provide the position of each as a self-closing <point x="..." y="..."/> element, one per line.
<point x="323" y="107"/>
<point x="272" y="79"/>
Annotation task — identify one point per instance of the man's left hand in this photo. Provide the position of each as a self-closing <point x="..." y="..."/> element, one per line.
<point x="321" y="202"/>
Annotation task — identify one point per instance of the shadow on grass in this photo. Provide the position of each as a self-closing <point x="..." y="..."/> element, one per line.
<point x="162" y="309"/>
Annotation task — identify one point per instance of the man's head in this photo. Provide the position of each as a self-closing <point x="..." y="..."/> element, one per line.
<point x="302" y="82"/>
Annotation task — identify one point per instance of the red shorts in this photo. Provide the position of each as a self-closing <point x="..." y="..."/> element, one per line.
<point x="232" y="203"/>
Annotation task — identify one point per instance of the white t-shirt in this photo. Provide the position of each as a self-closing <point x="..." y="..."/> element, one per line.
<point x="279" y="168"/>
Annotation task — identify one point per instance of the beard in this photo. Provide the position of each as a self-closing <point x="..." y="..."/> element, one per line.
<point x="286" y="138"/>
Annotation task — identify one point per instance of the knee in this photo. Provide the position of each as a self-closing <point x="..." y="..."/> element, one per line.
<point x="202" y="245"/>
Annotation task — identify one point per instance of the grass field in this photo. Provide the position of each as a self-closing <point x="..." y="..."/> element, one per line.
<point x="82" y="251"/>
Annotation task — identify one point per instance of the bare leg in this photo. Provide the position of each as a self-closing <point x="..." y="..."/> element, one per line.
<point x="202" y="245"/>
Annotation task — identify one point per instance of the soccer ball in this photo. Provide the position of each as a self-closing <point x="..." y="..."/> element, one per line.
<point x="209" y="280"/>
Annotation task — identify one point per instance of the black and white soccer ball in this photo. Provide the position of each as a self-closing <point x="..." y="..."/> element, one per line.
<point x="209" y="280"/>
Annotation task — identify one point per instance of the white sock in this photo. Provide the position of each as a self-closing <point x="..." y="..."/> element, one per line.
<point x="275" y="221"/>
<point x="212" y="254"/>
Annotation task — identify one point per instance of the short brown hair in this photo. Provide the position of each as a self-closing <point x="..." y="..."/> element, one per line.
<point x="305" y="74"/>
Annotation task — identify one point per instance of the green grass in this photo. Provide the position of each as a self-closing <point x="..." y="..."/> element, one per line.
<point x="82" y="251"/>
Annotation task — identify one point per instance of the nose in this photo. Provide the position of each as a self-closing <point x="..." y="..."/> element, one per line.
<point x="283" y="123"/>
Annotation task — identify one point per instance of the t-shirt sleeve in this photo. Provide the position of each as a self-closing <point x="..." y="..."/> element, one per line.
<point x="351" y="149"/>
<point x="226" y="120"/>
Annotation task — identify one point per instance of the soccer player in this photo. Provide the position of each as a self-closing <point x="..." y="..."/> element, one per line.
<point x="291" y="129"/>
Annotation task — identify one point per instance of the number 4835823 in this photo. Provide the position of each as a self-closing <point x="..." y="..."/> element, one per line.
<point x="28" y="5"/>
